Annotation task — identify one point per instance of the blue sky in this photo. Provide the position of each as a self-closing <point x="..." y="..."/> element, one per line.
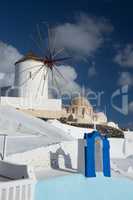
<point x="109" y="52"/>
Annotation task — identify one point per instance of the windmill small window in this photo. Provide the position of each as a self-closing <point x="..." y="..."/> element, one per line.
<point x="83" y="112"/>
<point x="30" y="75"/>
<point x="73" y="110"/>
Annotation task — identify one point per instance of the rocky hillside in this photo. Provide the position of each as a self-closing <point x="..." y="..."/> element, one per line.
<point x="104" y="129"/>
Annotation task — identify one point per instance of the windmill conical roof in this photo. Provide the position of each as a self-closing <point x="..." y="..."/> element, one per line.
<point x="28" y="56"/>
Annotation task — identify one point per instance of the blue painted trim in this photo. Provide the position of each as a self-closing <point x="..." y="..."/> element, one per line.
<point x="106" y="158"/>
<point x="89" y="153"/>
<point x="90" y="158"/>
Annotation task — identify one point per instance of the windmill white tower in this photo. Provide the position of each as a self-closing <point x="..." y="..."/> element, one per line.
<point x="31" y="78"/>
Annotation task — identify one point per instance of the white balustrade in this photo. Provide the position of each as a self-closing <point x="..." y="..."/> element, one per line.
<point x="17" y="190"/>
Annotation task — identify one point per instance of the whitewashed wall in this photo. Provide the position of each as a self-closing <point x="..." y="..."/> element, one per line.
<point x="117" y="147"/>
<point x="29" y="88"/>
<point x="74" y="153"/>
<point x="129" y="143"/>
<point x="41" y="158"/>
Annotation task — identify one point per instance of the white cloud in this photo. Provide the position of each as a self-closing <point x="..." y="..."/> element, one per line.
<point x="125" y="78"/>
<point x="124" y="57"/>
<point x="8" y="56"/>
<point x="84" y="36"/>
<point x="6" y="79"/>
<point x="69" y="85"/>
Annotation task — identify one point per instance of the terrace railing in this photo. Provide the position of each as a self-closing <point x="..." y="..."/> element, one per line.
<point x="17" y="190"/>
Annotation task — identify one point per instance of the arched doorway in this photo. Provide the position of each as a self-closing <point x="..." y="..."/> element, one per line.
<point x="60" y="159"/>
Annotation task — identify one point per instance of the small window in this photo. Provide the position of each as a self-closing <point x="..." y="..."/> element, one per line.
<point x="73" y="110"/>
<point x="83" y="111"/>
<point x="30" y="75"/>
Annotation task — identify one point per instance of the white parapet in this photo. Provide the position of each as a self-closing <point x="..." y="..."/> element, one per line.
<point x="128" y="142"/>
<point x="117" y="147"/>
<point x="32" y="103"/>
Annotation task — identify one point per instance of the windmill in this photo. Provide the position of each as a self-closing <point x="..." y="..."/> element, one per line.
<point x="37" y="73"/>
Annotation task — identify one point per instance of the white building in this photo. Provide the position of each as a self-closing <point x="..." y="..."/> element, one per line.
<point x="82" y="111"/>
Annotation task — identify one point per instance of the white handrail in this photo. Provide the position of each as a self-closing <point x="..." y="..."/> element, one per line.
<point x="17" y="190"/>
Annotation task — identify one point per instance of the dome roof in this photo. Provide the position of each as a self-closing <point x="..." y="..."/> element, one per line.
<point x="81" y="101"/>
<point x="101" y="117"/>
<point x="112" y="124"/>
